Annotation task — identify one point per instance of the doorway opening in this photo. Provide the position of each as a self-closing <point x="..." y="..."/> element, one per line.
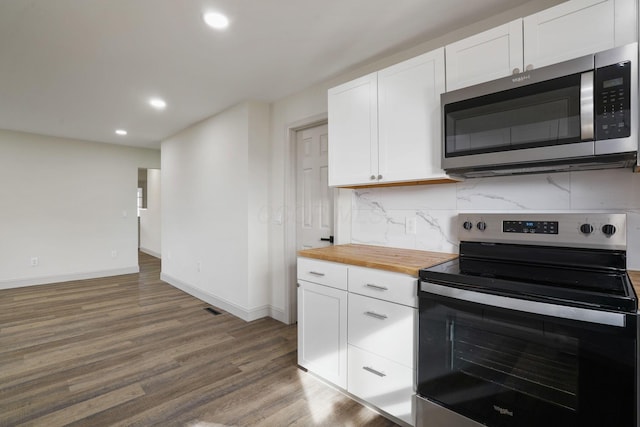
<point x="148" y="202"/>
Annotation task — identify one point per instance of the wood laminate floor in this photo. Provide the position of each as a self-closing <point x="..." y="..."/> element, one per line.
<point x="132" y="350"/>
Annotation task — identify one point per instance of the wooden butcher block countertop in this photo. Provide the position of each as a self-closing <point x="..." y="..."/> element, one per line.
<point x="407" y="261"/>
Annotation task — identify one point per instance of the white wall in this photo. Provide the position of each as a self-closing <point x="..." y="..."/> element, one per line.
<point x="258" y="202"/>
<point x="214" y="190"/>
<point x="64" y="202"/>
<point x="150" y="218"/>
<point x="307" y="105"/>
<point x="379" y="214"/>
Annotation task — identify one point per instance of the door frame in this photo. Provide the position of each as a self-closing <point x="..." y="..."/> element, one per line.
<point x="289" y="215"/>
<point x="341" y="213"/>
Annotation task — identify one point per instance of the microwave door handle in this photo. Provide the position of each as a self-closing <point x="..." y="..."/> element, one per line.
<point x="587" y="102"/>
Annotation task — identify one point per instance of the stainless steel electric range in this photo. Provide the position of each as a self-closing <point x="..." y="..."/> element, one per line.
<point x="536" y="323"/>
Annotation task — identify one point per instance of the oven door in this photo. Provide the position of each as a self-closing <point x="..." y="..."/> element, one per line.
<point x="505" y="367"/>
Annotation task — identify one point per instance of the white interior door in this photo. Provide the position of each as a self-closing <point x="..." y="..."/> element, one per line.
<point x="314" y="196"/>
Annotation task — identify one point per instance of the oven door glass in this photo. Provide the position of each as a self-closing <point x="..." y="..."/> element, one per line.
<point x="506" y="368"/>
<point x="537" y="115"/>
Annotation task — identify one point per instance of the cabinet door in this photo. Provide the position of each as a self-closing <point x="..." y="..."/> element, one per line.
<point x="409" y="118"/>
<point x="322" y="331"/>
<point x="353" y="132"/>
<point x="485" y="56"/>
<point x="576" y="28"/>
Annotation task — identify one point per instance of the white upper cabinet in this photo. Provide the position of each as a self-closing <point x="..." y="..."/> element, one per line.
<point x="353" y="132"/>
<point x="385" y="127"/>
<point x="577" y="28"/>
<point x="486" y="56"/>
<point x="409" y="118"/>
<point x="566" y="31"/>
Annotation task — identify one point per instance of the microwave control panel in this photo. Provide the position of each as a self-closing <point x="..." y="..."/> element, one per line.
<point x="613" y="101"/>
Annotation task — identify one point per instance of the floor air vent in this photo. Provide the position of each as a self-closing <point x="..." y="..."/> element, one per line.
<point x="212" y="311"/>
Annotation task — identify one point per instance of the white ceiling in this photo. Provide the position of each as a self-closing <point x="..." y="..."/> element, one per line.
<point x="83" y="68"/>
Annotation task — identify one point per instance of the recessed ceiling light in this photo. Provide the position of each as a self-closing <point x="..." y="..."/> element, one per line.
<point x="216" y="20"/>
<point x="157" y="103"/>
<point x="121" y="132"/>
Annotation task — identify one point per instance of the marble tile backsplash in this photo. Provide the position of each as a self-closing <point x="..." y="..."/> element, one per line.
<point x="385" y="216"/>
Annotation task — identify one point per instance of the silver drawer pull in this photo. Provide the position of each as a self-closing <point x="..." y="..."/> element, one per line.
<point x="376" y="287"/>
<point x="373" y="371"/>
<point x="315" y="273"/>
<point x="376" y="315"/>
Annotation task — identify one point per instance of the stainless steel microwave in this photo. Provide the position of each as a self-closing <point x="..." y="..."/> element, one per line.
<point x="578" y="114"/>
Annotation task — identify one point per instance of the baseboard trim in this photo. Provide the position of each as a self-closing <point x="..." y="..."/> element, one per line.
<point x="150" y="252"/>
<point x="45" y="280"/>
<point x="247" y="315"/>
<point x="278" y="314"/>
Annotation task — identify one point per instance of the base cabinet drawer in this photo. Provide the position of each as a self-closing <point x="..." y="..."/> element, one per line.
<point x="323" y="272"/>
<point x="381" y="382"/>
<point x="394" y="287"/>
<point x="383" y="328"/>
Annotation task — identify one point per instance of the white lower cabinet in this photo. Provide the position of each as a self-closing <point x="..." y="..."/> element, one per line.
<point x="361" y="339"/>
<point x="382" y="382"/>
<point x="382" y="318"/>
<point x="384" y="285"/>
<point x="383" y="328"/>
<point x="322" y="324"/>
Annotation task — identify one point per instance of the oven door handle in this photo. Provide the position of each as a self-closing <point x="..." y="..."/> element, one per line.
<point x="535" y="307"/>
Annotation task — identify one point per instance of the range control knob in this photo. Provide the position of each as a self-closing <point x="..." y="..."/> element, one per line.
<point x="467" y="225"/>
<point x="481" y="225"/>
<point x="586" y="228"/>
<point x="609" y="230"/>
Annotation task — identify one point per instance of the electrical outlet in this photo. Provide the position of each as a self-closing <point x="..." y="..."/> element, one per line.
<point x="34" y="261"/>
<point x="114" y="253"/>
<point x="410" y="225"/>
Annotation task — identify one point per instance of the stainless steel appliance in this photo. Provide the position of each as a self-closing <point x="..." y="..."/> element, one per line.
<point x="536" y="323"/>
<point x="579" y="114"/>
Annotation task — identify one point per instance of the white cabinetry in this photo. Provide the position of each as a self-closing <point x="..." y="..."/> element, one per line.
<point x="322" y="320"/>
<point x="353" y="132"/>
<point x="381" y="337"/>
<point x="382" y="327"/>
<point x="357" y="329"/>
<point x="385" y="285"/>
<point x="576" y="28"/>
<point x="566" y="31"/>
<point x="409" y="137"/>
<point x="486" y="56"/>
<point x="385" y="127"/>
<point x="382" y="382"/>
